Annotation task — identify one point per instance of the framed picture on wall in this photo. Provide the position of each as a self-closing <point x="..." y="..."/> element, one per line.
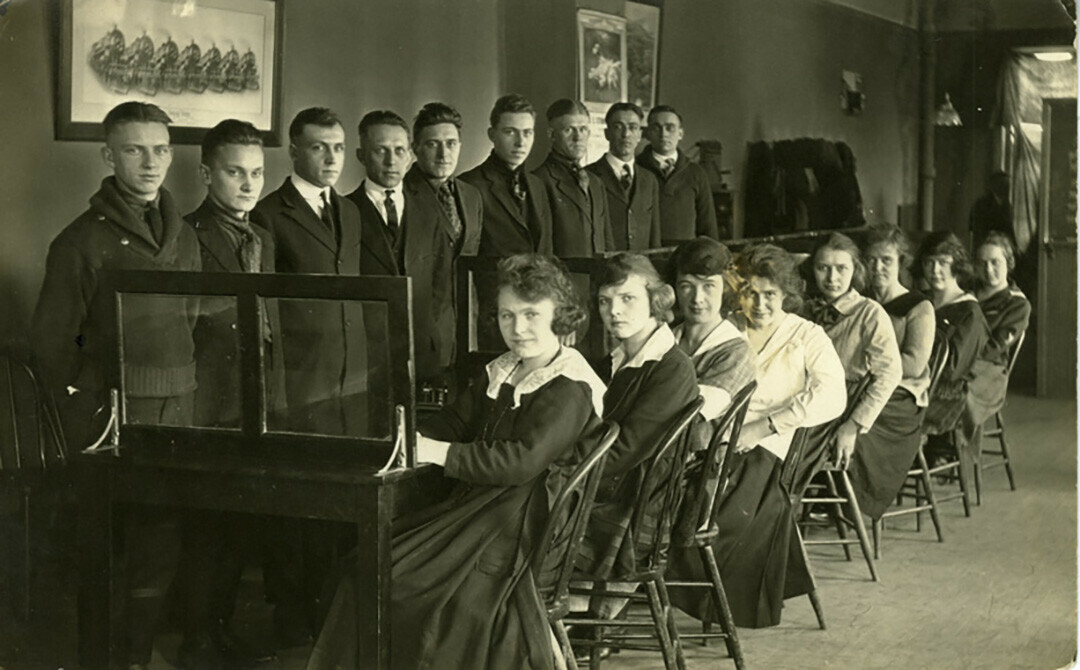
<point x="642" y="52"/>
<point x="601" y="59"/>
<point x="201" y="61"/>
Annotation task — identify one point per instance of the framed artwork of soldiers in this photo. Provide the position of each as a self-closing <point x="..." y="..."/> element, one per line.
<point x="201" y="61"/>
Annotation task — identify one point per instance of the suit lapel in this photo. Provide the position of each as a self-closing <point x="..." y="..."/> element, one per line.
<point x="376" y="239"/>
<point x="564" y="181"/>
<point x="350" y="234"/>
<point x="421" y="192"/>
<point x="502" y="193"/>
<point x="213" y="240"/>
<point x="297" y="209"/>
<point x="610" y="179"/>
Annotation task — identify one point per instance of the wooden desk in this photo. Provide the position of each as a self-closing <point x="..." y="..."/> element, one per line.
<point x="314" y="491"/>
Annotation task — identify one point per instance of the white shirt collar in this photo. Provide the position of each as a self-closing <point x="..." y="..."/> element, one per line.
<point x="847" y="302"/>
<point x="311" y="193"/>
<point x="658" y="344"/>
<point x="723" y="332"/>
<point x="617" y="165"/>
<point x="660" y="158"/>
<point x="377" y="195"/>
<point x="567" y="363"/>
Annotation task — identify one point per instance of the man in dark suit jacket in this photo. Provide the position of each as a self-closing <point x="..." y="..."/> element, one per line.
<point x="517" y="216"/>
<point x="579" y="215"/>
<point x="633" y="195"/>
<point x="422" y="231"/>
<point x="686" y="203"/>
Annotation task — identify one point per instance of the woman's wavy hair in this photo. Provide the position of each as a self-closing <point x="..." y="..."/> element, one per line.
<point x="619" y="267"/>
<point x="1001" y="240"/>
<point x="704" y="257"/>
<point x="891" y="235"/>
<point x="837" y="242"/>
<point x="944" y="243"/>
<point x="533" y="277"/>
<point x="769" y="261"/>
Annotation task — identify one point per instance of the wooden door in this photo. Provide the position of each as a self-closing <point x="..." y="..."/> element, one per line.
<point x="1056" y="308"/>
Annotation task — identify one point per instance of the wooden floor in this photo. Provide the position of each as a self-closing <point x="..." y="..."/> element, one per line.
<point x="1000" y="592"/>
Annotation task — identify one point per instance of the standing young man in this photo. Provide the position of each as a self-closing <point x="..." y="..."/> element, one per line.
<point x="686" y="204"/>
<point x="517" y="216"/>
<point x="633" y="195"/>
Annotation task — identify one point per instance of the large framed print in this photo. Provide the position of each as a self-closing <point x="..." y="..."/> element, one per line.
<point x="201" y="61"/>
<point x="642" y="52"/>
<point x="601" y="58"/>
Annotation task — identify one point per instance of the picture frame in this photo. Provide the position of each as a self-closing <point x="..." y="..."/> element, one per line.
<point x="201" y="61"/>
<point x="643" y="52"/>
<point x="601" y="59"/>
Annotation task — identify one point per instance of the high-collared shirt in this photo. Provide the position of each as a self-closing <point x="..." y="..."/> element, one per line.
<point x="312" y="194"/>
<point x="658" y="344"/>
<point x="377" y="195"/>
<point x="618" y="164"/>
<point x="567" y="363"/>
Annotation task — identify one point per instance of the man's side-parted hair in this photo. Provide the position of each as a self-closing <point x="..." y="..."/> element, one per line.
<point x="511" y="103"/>
<point x="665" y="108"/>
<point x="619" y="267"/>
<point x="564" y="106"/>
<point x="533" y="277"/>
<point x="134" y="112"/>
<point x="381" y="117"/>
<point x="312" y="116"/>
<point x="434" y="113"/>
<point x="769" y="261"/>
<point x="623" y="107"/>
<point x="229" y="131"/>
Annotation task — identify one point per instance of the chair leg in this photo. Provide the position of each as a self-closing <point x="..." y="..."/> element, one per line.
<point x="660" y="625"/>
<point x="669" y="617"/>
<point x="860" y="526"/>
<point x="564" y="644"/>
<point x="877" y="527"/>
<point x="928" y="491"/>
<point x="837" y="512"/>
<point x="814" y="601"/>
<point x="1005" y="450"/>
<point x="27" y="566"/>
<point x="977" y="451"/>
<point x="722" y="607"/>
<point x="962" y="475"/>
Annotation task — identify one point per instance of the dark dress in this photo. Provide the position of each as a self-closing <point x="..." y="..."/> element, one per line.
<point x="462" y="595"/>
<point x="1007" y="313"/>
<point x="963" y="325"/>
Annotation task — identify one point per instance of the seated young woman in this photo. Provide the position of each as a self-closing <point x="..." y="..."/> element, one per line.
<point x="650" y="380"/>
<point x="864" y="338"/>
<point x="944" y="265"/>
<point x="800" y="383"/>
<point x="879" y="466"/>
<point x="1007" y="311"/>
<point x="462" y="596"/>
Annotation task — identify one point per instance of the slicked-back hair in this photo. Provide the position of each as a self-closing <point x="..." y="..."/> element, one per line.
<point x="769" y="261"/>
<point x="511" y="103"/>
<point x="618" y="268"/>
<point x="312" y="116"/>
<point x="381" y="117"/>
<point x="944" y="243"/>
<point x="564" y="106"/>
<point x="1001" y="240"/>
<point x="434" y="113"/>
<point x="533" y="277"/>
<point x="839" y="242"/>
<point x="623" y="107"/>
<point x="664" y="108"/>
<point x="229" y="131"/>
<point x="134" y="112"/>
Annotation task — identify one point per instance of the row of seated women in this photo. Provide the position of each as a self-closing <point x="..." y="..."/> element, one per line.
<point x="462" y="594"/>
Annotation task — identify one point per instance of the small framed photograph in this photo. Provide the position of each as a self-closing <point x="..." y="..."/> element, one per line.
<point x="201" y="61"/>
<point x="601" y="59"/>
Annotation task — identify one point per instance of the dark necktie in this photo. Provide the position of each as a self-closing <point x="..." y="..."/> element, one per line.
<point x="250" y="251"/>
<point x="667" y="167"/>
<point x="328" y="213"/>
<point x="157" y="225"/>
<point x="517" y="185"/>
<point x="627" y="180"/>
<point x="581" y="176"/>
<point x="823" y="313"/>
<point x="449" y="205"/>
<point x="391" y="212"/>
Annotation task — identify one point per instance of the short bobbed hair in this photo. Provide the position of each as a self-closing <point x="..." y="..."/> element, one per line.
<point x="998" y="239"/>
<point x="312" y="116"/>
<point x="841" y="242"/>
<point x="511" y="103"/>
<point x="434" y="113"/>
<point x="702" y="256"/>
<point x="533" y="277"/>
<point x="769" y="261"/>
<point x="134" y="112"/>
<point x="229" y="131"/>
<point x="618" y="269"/>
<point x="944" y="243"/>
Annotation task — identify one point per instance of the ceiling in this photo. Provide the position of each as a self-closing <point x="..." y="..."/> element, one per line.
<point x="969" y="15"/>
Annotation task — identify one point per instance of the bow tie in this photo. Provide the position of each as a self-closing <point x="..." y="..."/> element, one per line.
<point x="823" y="313"/>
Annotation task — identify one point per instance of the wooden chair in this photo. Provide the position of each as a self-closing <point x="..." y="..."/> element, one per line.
<point x="553" y="563"/>
<point x="918" y="485"/>
<point x="998" y="433"/>
<point x="31" y="445"/>
<point x="699" y="507"/>
<point x="843" y="507"/>
<point x="652" y="563"/>
<point x="955" y="468"/>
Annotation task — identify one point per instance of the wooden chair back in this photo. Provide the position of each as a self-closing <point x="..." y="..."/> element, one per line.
<point x="1015" y="353"/>
<point x="939" y="360"/>
<point x="31" y="437"/>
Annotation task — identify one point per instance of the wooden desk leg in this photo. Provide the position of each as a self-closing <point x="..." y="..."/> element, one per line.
<point x="373" y="578"/>
<point x="99" y="625"/>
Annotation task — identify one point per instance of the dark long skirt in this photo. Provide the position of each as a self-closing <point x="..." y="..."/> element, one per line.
<point x="756" y="550"/>
<point x="884" y="455"/>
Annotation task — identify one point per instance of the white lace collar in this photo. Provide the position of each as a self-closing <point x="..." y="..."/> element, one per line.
<point x="567" y="363"/>
<point x="725" y="331"/>
<point x="658" y="344"/>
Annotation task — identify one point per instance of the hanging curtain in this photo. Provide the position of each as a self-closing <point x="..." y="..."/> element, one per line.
<point x="1024" y="82"/>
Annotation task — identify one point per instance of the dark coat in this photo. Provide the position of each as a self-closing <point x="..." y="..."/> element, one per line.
<point x="686" y="204"/>
<point x="580" y="225"/>
<point x="217" y="364"/>
<point x="322" y="342"/>
<point x="1007" y="313"/>
<point x="68" y="329"/>
<point x="506" y="229"/>
<point x="426" y="249"/>
<point x="635" y="223"/>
